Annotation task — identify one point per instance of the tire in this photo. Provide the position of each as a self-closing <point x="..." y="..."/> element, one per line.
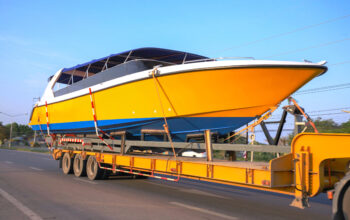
<point x="79" y="166"/>
<point x="341" y="200"/>
<point x="93" y="171"/>
<point x="67" y="164"/>
<point x="346" y="203"/>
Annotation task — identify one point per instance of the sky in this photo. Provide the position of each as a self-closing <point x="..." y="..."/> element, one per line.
<point x="37" y="38"/>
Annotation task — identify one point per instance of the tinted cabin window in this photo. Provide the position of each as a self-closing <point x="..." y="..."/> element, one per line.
<point x="124" y="69"/>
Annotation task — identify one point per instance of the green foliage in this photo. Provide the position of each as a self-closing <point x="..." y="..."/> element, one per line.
<point x="3" y="132"/>
<point x="344" y="127"/>
<point x="326" y="126"/>
<point x="18" y="130"/>
<point x="219" y="154"/>
<point x="262" y="156"/>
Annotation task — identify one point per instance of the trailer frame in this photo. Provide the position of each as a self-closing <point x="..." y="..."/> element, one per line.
<point x="306" y="169"/>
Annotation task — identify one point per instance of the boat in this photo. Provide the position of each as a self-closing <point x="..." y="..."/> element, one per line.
<point x="137" y="89"/>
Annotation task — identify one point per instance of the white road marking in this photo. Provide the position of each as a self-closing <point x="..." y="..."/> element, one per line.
<point x="8" y="162"/>
<point x="34" y="168"/>
<point x="24" y="209"/>
<point x="85" y="181"/>
<point x="203" y="210"/>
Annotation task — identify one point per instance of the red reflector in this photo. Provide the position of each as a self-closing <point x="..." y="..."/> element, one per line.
<point x="330" y="194"/>
<point x="265" y="183"/>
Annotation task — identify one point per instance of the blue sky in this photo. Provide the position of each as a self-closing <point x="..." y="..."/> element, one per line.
<point x="39" y="37"/>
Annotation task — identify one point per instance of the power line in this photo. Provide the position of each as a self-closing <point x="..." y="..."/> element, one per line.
<point x="322" y="110"/>
<point x="287" y="33"/>
<point x="340" y="63"/>
<point x="324" y="89"/>
<point x="339" y="115"/>
<point x="308" y="48"/>
<point x="336" y="113"/>
<point x="327" y="110"/>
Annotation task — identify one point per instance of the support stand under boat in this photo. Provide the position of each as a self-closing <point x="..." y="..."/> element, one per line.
<point x="200" y="137"/>
<point x="292" y="109"/>
<point x="275" y="140"/>
<point x="122" y="135"/>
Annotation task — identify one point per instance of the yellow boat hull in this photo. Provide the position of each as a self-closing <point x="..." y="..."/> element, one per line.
<point x="215" y="97"/>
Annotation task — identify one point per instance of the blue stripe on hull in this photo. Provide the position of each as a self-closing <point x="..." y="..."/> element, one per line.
<point x="179" y="127"/>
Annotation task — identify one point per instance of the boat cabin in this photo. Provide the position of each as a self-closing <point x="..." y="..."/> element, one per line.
<point x="117" y="65"/>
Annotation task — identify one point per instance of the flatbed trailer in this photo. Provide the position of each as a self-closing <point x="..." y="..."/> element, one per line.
<point x="314" y="164"/>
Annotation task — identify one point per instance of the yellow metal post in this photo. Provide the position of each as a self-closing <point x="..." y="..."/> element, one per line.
<point x="302" y="178"/>
<point x="208" y="145"/>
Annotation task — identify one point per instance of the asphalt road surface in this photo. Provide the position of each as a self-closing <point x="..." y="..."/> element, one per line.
<point x="32" y="187"/>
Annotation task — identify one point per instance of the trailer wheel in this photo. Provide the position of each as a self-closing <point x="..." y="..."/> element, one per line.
<point x="93" y="171"/>
<point x="341" y="200"/>
<point x="67" y="164"/>
<point x="346" y="203"/>
<point x="79" y="166"/>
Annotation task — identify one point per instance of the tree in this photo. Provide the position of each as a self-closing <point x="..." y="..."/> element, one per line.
<point x="326" y="126"/>
<point x="2" y="132"/>
<point x="330" y="126"/>
<point x="19" y="130"/>
<point x="345" y="127"/>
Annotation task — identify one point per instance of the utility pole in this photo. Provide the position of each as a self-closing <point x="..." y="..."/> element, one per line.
<point x="10" y="135"/>
<point x="34" y="139"/>
<point x="12" y="116"/>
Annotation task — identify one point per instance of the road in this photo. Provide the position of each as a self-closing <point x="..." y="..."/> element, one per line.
<point x="32" y="187"/>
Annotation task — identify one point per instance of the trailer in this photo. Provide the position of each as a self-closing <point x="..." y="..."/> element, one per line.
<point x="313" y="164"/>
